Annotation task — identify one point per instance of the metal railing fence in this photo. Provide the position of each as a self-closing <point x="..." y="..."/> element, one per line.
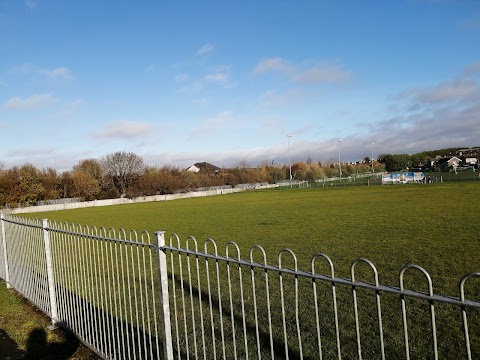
<point x="101" y="285"/>
<point x="129" y="297"/>
<point x="225" y="307"/>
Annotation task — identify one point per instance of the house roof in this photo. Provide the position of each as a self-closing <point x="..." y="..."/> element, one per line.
<point x="448" y="159"/>
<point x="205" y="166"/>
<point x="193" y="168"/>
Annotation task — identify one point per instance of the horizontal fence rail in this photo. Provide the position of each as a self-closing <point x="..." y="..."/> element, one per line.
<point x="132" y="296"/>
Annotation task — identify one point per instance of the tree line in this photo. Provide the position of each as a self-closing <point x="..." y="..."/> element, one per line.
<point x="125" y="174"/>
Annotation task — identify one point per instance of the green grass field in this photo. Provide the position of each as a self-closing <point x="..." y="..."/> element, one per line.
<point x="435" y="226"/>
<point x="24" y="333"/>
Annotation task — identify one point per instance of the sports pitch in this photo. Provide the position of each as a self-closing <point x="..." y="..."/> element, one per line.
<point x="435" y="226"/>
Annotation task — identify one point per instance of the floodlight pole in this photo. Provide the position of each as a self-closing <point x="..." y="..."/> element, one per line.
<point x="339" y="160"/>
<point x="289" y="162"/>
<point x="371" y="159"/>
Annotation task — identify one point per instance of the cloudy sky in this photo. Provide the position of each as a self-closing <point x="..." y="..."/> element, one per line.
<point x="179" y="82"/>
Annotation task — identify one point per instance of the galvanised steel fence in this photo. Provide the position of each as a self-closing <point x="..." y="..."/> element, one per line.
<point x="101" y="285"/>
<point x="130" y="296"/>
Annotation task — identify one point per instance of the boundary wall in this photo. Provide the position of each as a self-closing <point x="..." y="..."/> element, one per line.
<point x="141" y="199"/>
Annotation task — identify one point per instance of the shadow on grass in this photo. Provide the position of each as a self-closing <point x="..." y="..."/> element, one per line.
<point x="37" y="347"/>
<point x="263" y="334"/>
<point x="37" y="344"/>
<point x="9" y="348"/>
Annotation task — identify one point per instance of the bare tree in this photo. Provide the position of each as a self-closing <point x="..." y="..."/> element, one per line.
<point x="122" y="168"/>
<point x="243" y="165"/>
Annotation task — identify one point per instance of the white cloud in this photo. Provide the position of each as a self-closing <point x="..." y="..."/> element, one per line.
<point x="217" y="76"/>
<point x="272" y="64"/>
<point x="32" y="4"/>
<point x="472" y="70"/>
<point x="446" y="92"/>
<point x="34" y="101"/>
<point x="429" y="130"/>
<point x="126" y="129"/>
<point x="440" y="116"/>
<point x="29" y="152"/>
<point x="329" y="73"/>
<point x="213" y="124"/>
<point x="193" y="87"/>
<point x="23" y="69"/>
<point x="460" y="91"/>
<point x="56" y="74"/>
<point x="304" y="73"/>
<point x="66" y="111"/>
<point x="205" y="49"/>
<point x="273" y="125"/>
<point x="45" y="157"/>
<point x="272" y="98"/>
<point x="150" y="68"/>
<point x="220" y="75"/>
<point x="182" y="77"/>
<point x="61" y="73"/>
<point x="201" y="101"/>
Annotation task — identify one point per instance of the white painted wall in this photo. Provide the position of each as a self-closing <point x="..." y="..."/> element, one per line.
<point x="121" y="201"/>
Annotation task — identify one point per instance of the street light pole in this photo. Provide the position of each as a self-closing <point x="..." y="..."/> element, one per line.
<point x="289" y="162"/>
<point x="371" y="159"/>
<point x="339" y="160"/>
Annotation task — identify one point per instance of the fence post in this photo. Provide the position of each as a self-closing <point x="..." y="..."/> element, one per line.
<point x="4" y="245"/>
<point x="164" y="297"/>
<point x="51" y="283"/>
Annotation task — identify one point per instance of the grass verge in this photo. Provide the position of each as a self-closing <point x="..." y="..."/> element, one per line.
<point x="24" y="333"/>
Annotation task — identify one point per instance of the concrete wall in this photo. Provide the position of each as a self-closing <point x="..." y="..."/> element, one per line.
<point x="121" y="201"/>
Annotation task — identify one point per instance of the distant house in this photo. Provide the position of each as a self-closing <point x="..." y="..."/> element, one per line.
<point x="203" y="166"/>
<point x="430" y="164"/>
<point x="444" y="164"/>
<point x="471" y="161"/>
<point x="193" y="168"/>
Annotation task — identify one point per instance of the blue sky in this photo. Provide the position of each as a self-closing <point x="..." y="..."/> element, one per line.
<point x="179" y="82"/>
